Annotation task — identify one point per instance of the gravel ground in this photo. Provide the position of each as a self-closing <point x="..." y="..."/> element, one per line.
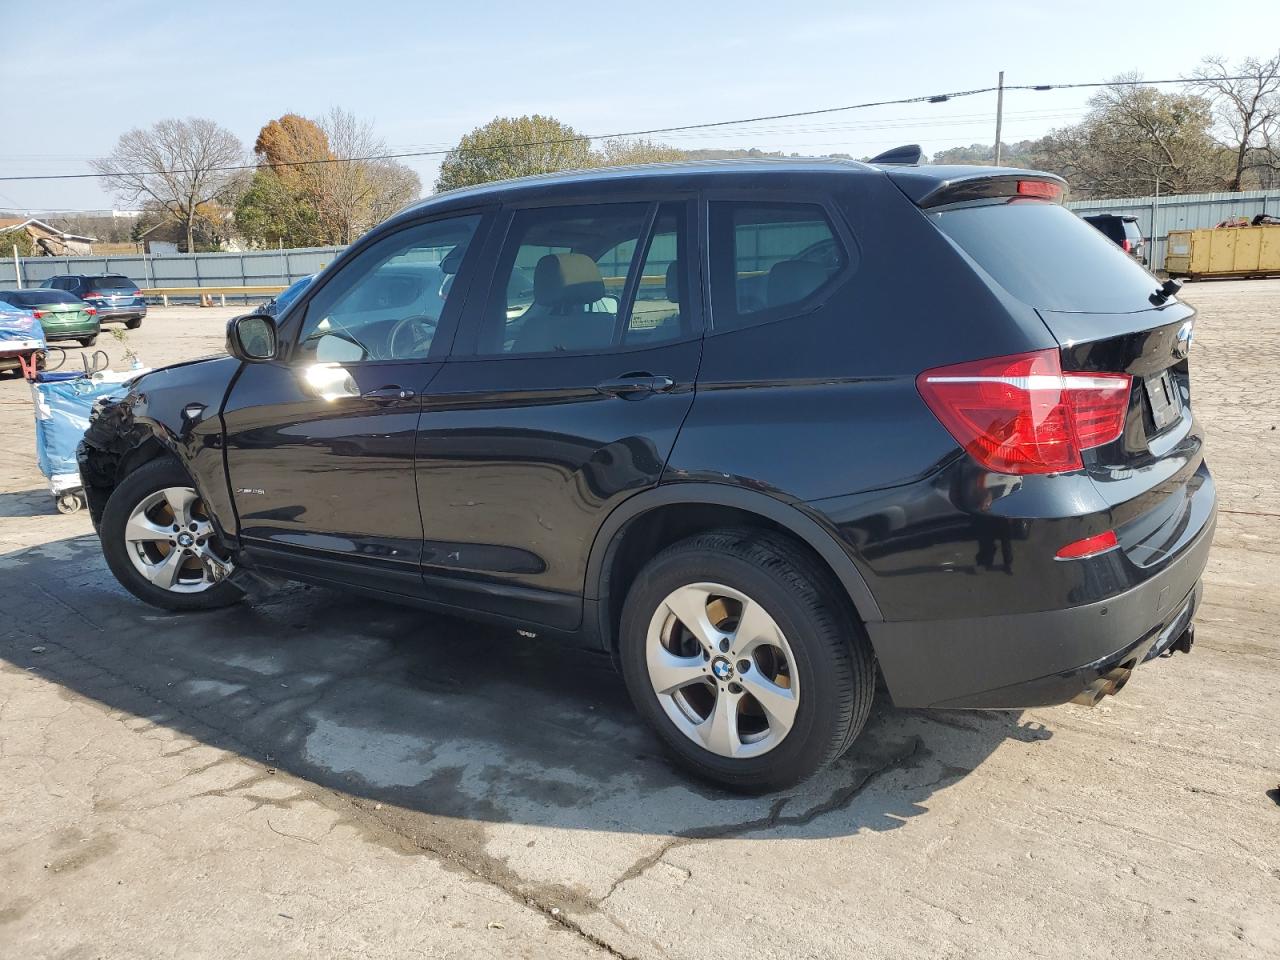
<point x="312" y="774"/>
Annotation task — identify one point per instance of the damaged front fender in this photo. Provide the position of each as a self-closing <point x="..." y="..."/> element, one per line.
<point x="175" y="412"/>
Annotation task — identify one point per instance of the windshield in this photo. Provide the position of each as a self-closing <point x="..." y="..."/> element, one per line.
<point x="1048" y="257"/>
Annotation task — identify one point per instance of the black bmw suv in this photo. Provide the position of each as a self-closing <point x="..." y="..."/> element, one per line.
<point x="765" y="431"/>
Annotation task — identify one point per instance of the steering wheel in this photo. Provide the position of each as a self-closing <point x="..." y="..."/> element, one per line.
<point x="420" y="330"/>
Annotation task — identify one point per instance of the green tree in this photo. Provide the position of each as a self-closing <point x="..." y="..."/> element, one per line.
<point x="17" y="238"/>
<point x="618" y="153"/>
<point x="508" y="147"/>
<point x="272" y="212"/>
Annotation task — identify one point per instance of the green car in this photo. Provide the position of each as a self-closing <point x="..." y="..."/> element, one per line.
<point x="64" y="316"/>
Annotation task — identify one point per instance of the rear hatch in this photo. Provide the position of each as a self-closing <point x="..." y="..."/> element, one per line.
<point x="112" y="291"/>
<point x="1107" y="315"/>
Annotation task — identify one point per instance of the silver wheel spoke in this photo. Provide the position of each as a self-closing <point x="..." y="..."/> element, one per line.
<point x="755" y="627"/>
<point x="165" y="573"/>
<point x="720" y="730"/>
<point x="689" y="604"/>
<point x="141" y="530"/>
<point x="669" y="672"/>
<point x="180" y="500"/>
<point x="779" y="703"/>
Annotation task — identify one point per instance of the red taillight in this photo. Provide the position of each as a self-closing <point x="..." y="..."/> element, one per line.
<point x="1022" y="414"/>
<point x="91" y="293"/>
<point x="1089" y="546"/>
<point x="90" y="311"/>
<point x="1126" y="246"/>
<point x="1040" y="188"/>
<point x="37" y="314"/>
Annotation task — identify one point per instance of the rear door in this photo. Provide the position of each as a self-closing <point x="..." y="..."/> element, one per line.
<point x="320" y="443"/>
<point x="1105" y="311"/>
<point x="564" y="395"/>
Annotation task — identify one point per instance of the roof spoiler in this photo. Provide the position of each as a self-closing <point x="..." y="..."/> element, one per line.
<point x="936" y="186"/>
<point x="909" y="155"/>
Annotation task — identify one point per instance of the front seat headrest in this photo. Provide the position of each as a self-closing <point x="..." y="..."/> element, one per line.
<point x="673" y="281"/>
<point x="792" y="280"/>
<point x="567" y="280"/>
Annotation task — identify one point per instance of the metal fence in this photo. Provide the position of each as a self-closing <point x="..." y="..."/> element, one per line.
<point x="250" y="269"/>
<point x="1158" y="215"/>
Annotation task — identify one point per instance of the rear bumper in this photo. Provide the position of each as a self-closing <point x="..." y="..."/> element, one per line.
<point x="1042" y="658"/>
<point x="72" y="332"/>
<point x="130" y="312"/>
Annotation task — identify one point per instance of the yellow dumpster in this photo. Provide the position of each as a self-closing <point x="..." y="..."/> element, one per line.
<point x="1224" y="252"/>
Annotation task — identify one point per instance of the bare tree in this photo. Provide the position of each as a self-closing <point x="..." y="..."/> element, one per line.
<point x="1134" y="136"/>
<point x="178" y="164"/>
<point x="355" y="192"/>
<point x="1248" y="113"/>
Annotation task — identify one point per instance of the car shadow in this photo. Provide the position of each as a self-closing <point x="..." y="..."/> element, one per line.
<point x="440" y="717"/>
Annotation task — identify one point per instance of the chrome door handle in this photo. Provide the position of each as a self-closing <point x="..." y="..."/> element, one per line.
<point x="388" y="394"/>
<point x="634" y="385"/>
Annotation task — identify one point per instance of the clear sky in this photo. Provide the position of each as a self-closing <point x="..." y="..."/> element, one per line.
<point x="425" y="73"/>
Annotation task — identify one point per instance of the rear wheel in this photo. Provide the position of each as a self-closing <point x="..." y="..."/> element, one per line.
<point x="133" y="324"/>
<point x="736" y="647"/>
<point x="88" y="341"/>
<point x="160" y="542"/>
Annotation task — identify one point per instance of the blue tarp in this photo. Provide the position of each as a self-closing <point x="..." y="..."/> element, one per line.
<point x="63" y="403"/>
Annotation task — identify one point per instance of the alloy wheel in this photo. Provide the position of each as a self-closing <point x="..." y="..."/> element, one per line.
<point x="722" y="670"/>
<point x="171" y="541"/>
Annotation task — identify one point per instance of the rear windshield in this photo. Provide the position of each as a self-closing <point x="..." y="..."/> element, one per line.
<point x="112" y="283"/>
<point x="1048" y="257"/>
<point x="40" y="296"/>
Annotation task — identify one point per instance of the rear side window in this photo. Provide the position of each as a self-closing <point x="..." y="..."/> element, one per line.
<point x="771" y="260"/>
<point x="63" y="283"/>
<point x="588" y="278"/>
<point x="1048" y="257"/>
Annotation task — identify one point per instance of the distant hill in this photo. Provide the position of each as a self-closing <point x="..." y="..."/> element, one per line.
<point x="1020" y="154"/>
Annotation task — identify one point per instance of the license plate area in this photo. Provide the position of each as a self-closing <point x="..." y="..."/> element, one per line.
<point x="1165" y="400"/>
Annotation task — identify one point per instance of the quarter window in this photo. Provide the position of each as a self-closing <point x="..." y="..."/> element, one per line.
<point x="386" y="304"/>
<point x="770" y="260"/>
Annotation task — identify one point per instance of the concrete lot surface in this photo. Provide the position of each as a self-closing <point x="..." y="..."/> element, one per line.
<point x="313" y="774"/>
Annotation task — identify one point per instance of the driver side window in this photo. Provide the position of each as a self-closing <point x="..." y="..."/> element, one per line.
<point x="386" y="304"/>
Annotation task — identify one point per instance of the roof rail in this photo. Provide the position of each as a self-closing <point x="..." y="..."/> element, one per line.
<point x="908" y="155"/>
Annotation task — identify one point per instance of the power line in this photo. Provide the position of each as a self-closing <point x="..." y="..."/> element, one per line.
<point x="927" y="98"/>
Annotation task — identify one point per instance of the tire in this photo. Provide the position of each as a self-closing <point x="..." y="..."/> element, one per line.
<point x="88" y="341"/>
<point x="133" y="324"/>
<point x="827" y="662"/>
<point x="193" y="588"/>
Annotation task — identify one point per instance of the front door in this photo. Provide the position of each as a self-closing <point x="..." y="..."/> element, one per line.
<point x="320" y="443"/>
<point x="563" y="397"/>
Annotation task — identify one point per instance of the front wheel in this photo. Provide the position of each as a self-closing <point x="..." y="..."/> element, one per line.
<point x="736" y="646"/>
<point x="160" y="542"/>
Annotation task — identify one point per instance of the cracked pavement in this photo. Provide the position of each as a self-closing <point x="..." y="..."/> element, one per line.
<point x="315" y="774"/>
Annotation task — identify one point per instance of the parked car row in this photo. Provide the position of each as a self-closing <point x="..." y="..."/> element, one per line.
<point x="69" y="307"/>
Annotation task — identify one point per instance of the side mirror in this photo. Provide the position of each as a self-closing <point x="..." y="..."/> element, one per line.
<point x="252" y="337"/>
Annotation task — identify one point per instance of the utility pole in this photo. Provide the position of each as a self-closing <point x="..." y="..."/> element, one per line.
<point x="999" y="113"/>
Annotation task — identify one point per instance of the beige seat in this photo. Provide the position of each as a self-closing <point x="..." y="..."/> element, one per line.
<point x="565" y="287"/>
